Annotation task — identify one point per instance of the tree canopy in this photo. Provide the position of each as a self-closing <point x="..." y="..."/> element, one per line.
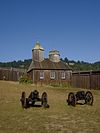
<point x="75" y="65"/>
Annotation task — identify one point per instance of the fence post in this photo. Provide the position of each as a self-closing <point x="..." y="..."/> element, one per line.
<point x="90" y="79"/>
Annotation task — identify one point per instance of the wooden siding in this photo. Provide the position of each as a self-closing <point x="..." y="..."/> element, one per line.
<point x="47" y="80"/>
<point x="88" y="80"/>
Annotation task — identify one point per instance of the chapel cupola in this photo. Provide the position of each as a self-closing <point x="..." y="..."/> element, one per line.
<point x="38" y="52"/>
<point x="54" y="56"/>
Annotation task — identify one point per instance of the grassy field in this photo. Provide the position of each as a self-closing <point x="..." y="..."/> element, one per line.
<point x="59" y="118"/>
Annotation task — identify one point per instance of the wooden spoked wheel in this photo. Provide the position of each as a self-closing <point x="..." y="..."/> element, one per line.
<point x="89" y="98"/>
<point x="71" y="99"/>
<point x="23" y="99"/>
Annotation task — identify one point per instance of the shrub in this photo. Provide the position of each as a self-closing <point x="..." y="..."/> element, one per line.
<point x="25" y="79"/>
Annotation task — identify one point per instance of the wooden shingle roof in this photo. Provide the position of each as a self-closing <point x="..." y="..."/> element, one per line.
<point x="46" y="64"/>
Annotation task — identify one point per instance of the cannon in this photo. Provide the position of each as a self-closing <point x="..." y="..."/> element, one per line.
<point x="33" y="98"/>
<point x="73" y="98"/>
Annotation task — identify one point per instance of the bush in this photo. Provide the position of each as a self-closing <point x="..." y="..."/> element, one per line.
<point x="25" y="79"/>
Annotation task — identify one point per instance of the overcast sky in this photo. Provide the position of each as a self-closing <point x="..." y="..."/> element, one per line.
<point x="70" y="26"/>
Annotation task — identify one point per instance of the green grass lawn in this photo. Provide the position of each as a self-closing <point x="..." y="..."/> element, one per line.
<point x="59" y="118"/>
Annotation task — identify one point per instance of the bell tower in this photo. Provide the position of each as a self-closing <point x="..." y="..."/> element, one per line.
<point x="38" y="52"/>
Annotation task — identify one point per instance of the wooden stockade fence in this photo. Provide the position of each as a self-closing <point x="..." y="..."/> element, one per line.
<point x="86" y="79"/>
<point x="81" y="79"/>
<point x="10" y="74"/>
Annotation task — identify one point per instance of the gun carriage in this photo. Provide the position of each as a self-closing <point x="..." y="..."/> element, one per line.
<point x="33" y="98"/>
<point x="73" y="98"/>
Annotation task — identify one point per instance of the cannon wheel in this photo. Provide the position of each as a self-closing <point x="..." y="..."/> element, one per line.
<point x="44" y="100"/>
<point x="23" y="99"/>
<point x="89" y="98"/>
<point x="71" y="99"/>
